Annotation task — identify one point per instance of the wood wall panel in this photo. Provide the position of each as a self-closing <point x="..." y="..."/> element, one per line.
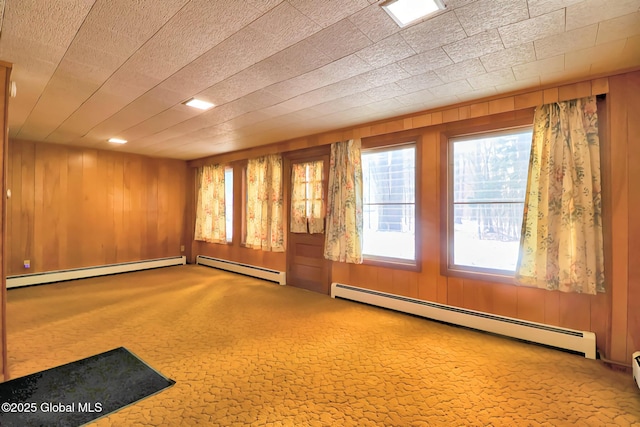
<point x="614" y="316"/>
<point x="75" y="207"/>
<point x="5" y="72"/>
<point x="633" y="135"/>
<point x="618" y="187"/>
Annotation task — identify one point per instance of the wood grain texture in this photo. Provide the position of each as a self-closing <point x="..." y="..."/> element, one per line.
<point x="619" y="117"/>
<point x="633" y="135"/>
<point x="5" y="72"/>
<point x="613" y="316"/>
<point x="84" y="207"/>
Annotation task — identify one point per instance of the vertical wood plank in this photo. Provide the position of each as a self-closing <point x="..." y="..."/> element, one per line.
<point x="150" y="210"/>
<point x="14" y="242"/>
<point x="618" y="187"/>
<point x="575" y="311"/>
<point x="75" y="229"/>
<point x="633" y="134"/>
<point x="92" y="207"/>
<point x="107" y="162"/>
<point x="119" y="208"/>
<point x="455" y="291"/>
<point x="50" y="214"/>
<point x="531" y="304"/>
<point x="39" y="226"/>
<point x="165" y="215"/>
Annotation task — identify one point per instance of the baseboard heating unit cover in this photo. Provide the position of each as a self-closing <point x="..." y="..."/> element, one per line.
<point x="577" y="341"/>
<point x="248" y="270"/>
<point x="86" y="272"/>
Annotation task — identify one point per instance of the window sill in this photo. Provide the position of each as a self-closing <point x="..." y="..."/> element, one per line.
<point x="496" y="276"/>
<point x="395" y="263"/>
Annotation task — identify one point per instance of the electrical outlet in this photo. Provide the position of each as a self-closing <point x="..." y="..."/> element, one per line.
<point x="181" y="248"/>
<point x="27" y="263"/>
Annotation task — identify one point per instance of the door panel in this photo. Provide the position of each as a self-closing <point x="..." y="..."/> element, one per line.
<point x="306" y="266"/>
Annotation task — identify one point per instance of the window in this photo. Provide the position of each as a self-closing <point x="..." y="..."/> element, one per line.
<point x="307" y="199"/>
<point x="389" y="204"/>
<point x="228" y="203"/>
<point x="488" y="179"/>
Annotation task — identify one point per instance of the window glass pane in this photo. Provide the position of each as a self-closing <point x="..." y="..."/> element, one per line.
<point x="389" y="203"/>
<point x="487" y="235"/>
<point x="228" y="201"/>
<point x="489" y="185"/>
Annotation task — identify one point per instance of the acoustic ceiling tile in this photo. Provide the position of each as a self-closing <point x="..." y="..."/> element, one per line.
<point x="264" y="5"/>
<point x="537" y="68"/>
<point x="283" y="26"/>
<point x="541" y="7"/>
<point x="509" y="57"/>
<point x="262" y="99"/>
<point x="532" y="29"/>
<point x="602" y="53"/>
<point x="136" y="20"/>
<point x="54" y="23"/>
<point x="301" y="58"/>
<point x="435" y="32"/>
<point x="380" y="93"/>
<point x="531" y="83"/>
<point x="461" y="70"/>
<point x="198" y="27"/>
<point x="419" y="82"/>
<point x="475" y="46"/>
<point x="451" y="89"/>
<point x="87" y="62"/>
<point x="386" y="51"/>
<point x="593" y="11"/>
<point x="340" y="39"/>
<point x="328" y="12"/>
<point x="426" y="61"/>
<point x="629" y="58"/>
<point x="375" y="23"/>
<point x="580" y="38"/>
<point x="619" y="28"/>
<point x="157" y="123"/>
<point x="550" y="77"/>
<point x="484" y="15"/>
<point x="494" y="78"/>
<point x="414" y="98"/>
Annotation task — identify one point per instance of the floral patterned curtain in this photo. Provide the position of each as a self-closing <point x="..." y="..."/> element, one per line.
<point x="265" y="229"/>
<point x="343" y="237"/>
<point x="561" y="244"/>
<point x="306" y="198"/>
<point x="210" y="207"/>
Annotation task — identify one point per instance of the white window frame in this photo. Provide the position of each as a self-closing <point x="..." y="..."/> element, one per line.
<point x="467" y="270"/>
<point x="387" y="260"/>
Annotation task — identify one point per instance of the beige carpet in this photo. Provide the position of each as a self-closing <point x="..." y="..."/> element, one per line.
<point x="248" y="352"/>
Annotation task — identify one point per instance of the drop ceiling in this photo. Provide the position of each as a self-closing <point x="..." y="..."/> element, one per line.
<point x="89" y="70"/>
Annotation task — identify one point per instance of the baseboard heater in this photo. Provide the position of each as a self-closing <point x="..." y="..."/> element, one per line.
<point x="246" y="269"/>
<point x="568" y="339"/>
<point x="86" y="272"/>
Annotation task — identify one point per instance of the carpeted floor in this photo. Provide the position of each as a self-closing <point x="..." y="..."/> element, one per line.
<point x="248" y="352"/>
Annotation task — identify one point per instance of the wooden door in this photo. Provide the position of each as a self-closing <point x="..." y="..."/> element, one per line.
<point x="306" y="266"/>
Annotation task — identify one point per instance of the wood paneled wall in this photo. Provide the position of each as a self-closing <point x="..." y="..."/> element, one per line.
<point x="613" y="316"/>
<point x="5" y="73"/>
<point x="77" y="207"/>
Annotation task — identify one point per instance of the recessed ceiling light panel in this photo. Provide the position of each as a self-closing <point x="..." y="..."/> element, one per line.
<point x="118" y="140"/>
<point x="405" y="12"/>
<point x="199" y="104"/>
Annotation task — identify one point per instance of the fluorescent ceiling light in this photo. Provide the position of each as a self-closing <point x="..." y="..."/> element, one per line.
<point x="405" y="12"/>
<point x="199" y="104"/>
<point x="118" y="140"/>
